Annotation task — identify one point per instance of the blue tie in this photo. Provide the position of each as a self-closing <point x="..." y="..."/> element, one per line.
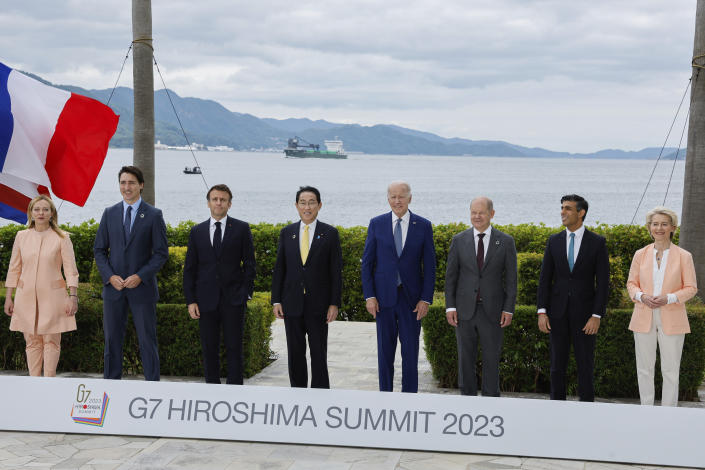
<point x="398" y="244"/>
<point x="571" y="252"/>
<point x="127" y="222"/>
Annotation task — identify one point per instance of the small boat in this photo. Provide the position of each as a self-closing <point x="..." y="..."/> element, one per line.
<point x="297" y="149"/>
<point x="196" y="170"/>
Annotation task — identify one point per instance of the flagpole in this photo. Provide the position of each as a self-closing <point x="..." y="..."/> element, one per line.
<point x="143" y="83"/>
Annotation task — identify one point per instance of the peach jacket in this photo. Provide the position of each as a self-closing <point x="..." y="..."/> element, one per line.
<point x="35" y="270"/>
<point x="679" y="279"/>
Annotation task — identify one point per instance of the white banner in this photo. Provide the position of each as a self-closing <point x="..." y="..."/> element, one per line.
<point x="501" y="426"/>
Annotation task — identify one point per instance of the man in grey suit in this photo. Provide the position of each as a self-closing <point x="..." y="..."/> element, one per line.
<point x="481" y="289"/>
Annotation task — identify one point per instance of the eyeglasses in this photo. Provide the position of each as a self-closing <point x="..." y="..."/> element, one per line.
<point x="307" y="203"/>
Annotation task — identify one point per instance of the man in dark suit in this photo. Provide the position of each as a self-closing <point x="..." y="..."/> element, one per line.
<point x="306" y="288"/>
<point x="481" y="289"/>
<point x="130" y="248"/>
<point x="219" y="278"/>
<point x="572" y="296"/>
<point x="398" y="277"/>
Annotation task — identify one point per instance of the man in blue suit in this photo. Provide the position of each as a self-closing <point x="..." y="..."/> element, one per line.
<point x="130" y="248"/>
<point x="398" y="277"/>
<point x="219" y="278"/>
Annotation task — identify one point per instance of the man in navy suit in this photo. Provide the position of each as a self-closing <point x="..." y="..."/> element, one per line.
<point x="572" y="296"/>
<point x="130" y="248"/>
<point x="398" y="277"/>
<point x="219" y="278"/>
<point x="306" y="288"/>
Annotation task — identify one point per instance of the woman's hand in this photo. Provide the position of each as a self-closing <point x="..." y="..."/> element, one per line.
<point x="9" y="306"/>
<point x="71" y="305"/>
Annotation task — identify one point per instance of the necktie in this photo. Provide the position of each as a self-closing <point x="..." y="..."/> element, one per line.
<point x="571" y="252"/>
<point x="480" y="251"/>
<point x="127" y="222"/>
<point x="304" y="245"/>
<point x="398" y="244"/>
<point x="217" y="238"/>
<point x="480" y="259"/>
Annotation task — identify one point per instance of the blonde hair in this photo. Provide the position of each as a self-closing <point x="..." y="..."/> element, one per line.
<point x="53" y="220"/>
<point x="660" y="210"/>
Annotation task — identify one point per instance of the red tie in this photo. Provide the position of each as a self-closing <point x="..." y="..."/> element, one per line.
<point x="480" y="251"/>
<point x="480" y="259"/>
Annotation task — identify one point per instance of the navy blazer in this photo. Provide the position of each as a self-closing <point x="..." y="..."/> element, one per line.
<point x="321" y="276"/>
<point x="231" y="272"/>
<point x="583" y="291"/>
<point x="144" y="253"/>
<point x="416" y="265"/>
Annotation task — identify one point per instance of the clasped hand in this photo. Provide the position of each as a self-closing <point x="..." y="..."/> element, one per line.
<point x="653" y="301"/>
<point x="130" y="283"/>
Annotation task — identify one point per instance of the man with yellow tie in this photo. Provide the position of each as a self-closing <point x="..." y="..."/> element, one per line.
<point x="306" y="288"/>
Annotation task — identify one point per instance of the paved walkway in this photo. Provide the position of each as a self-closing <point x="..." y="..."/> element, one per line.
<point x="348" y="370"/>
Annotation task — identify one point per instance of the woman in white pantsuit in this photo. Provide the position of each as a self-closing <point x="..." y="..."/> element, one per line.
<point x="661" y="280"/>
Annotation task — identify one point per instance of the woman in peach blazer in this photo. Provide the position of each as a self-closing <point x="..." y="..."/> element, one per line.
<point x="42" y="309"/>
<point x="661" y="280"/>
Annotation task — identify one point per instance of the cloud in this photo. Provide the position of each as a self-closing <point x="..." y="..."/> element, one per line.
<point x="577" y="75"/>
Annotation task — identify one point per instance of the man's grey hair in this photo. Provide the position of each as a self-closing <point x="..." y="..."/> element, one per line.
<point x="399" y="183"/>
<point x="488" y="201"/>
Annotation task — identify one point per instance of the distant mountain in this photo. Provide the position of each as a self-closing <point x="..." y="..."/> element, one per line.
<point x="208" y="122"/>
<point x="297" y="126"/>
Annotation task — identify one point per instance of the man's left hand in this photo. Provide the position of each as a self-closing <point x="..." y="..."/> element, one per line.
<point x="592" y="325"/>
<point x="332" y="313"/>
<point x="421" y="309"/>
<point x="133" y="281"/>
<point x="506" y="319"/>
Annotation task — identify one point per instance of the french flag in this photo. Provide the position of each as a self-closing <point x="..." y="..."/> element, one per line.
<point x="49" y="139"/>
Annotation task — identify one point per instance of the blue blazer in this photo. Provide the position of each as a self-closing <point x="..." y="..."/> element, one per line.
<point x="231" y="272"/>
<point x="416" y="265"/>
<point x="144" y="253"/>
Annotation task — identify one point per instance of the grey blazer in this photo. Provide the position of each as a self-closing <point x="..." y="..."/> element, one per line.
<point x="497" y="281"/>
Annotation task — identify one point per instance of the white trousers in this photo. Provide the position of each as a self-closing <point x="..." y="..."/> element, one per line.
<point x="671" y="347"/>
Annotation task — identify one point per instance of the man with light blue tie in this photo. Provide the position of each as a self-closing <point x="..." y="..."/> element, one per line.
<point x="572" y="296"/>
<point x="130" y="248"/>
<point x="398" y="277"/>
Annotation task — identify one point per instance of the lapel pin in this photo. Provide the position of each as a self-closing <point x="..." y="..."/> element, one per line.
<point x="414" y="222"/>
<point x="142" y="215"/>
<point x="318" y="236"/>
<point x="497" y="242"/>
<point x="293" y="236"/>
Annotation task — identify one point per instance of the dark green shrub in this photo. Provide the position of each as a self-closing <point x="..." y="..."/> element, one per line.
<point x="525" y="365"/>
<point x="179" y="341"/>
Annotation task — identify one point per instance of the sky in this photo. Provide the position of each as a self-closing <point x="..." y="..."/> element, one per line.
<point x="571" y="76"/>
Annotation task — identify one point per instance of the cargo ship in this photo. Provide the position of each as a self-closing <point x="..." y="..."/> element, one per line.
<point x="300" y="148"/>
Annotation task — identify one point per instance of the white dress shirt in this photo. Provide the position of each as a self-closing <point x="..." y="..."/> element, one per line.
<point x="485" y="240"/>
<point x="311" y="231"/>
<point x="576" y="244"/>
<point x="135" y="207"/>
<point x="222" y="228"/>
<point x="404" y="225"/>
<point x="658" y="275"/>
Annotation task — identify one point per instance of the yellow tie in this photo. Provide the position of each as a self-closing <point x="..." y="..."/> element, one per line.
<point x="304" y="245"/>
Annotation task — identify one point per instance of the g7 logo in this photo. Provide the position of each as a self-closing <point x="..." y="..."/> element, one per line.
<point x="82" y="394"/>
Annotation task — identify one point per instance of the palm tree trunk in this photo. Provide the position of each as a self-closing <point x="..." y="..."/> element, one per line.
<point x="143" y="82"/>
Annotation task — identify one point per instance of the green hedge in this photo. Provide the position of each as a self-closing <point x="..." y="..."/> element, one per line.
<point x="178" y="336"/>
<point x="622" y="242"/>
<point x="525" y="365"/>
